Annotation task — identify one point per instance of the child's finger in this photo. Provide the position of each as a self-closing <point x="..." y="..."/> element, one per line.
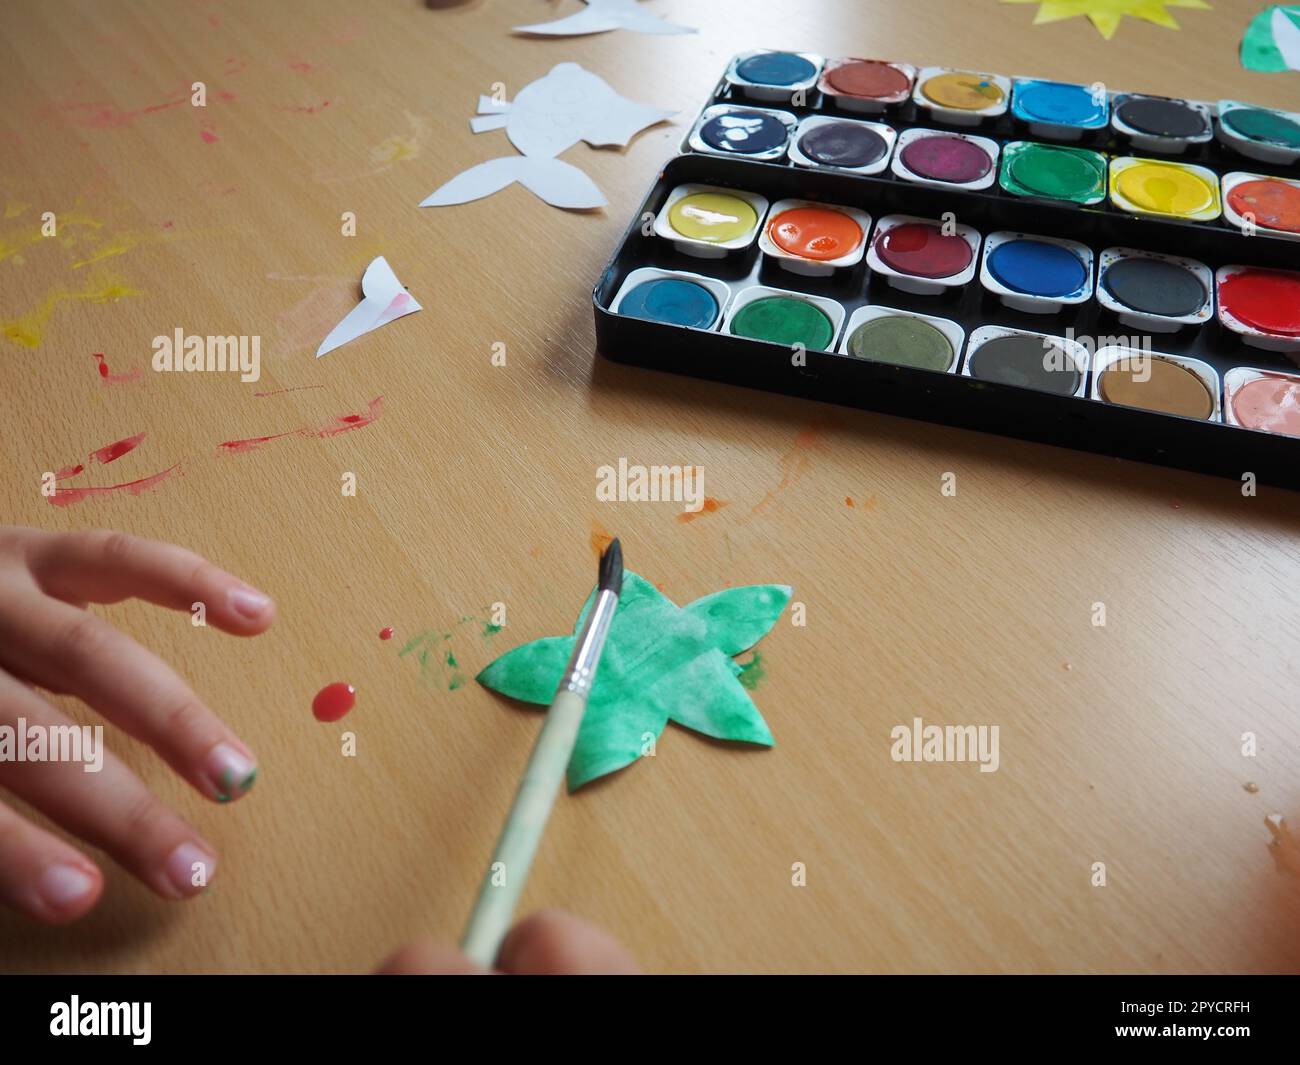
<point x="429" y="959"/>
<point x="50" y="642"/>
<point x="106" y="567"/>
<point x="42" y="876"/>
<point x="110" y="807"/>
<point x="552" y="942"/>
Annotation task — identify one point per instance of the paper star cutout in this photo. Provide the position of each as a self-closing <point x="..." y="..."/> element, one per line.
<point x="1106" y="14"/>
<point x="661" y="663"/>
<point x="600" y="16"/>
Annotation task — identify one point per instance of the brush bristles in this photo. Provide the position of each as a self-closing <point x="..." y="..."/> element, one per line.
<point x="611" y="568"/>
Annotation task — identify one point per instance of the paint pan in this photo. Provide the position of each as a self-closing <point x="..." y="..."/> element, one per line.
<point x="709" y="222"/>
<point x="1152" y="292"/>
<point x="1038" y="361"/>
<point x="921" y="256"/>
<point x="776" y="316"/>
<point x="1038" y="275"/>
<point x="814" y="239"/>
<point x="1159" y="187"/>
<point x="673" y="297"/>
<point x="961" y="97"/>
<point x="1260" y="133"/>
<point x="747" y="132"/>
<point x="1261" y="306"/>
<point x="1155" y="381"/>
<point x="903" y="338"/>
<point x="1053" y="172"/>
<point x="845" y="144"/>
<point x="946" y="160"/>
<point x="1262" y="399"/>
<point x="866" y="85"/>
<point x="774" y="77"/>
<point x="1160" y="123"/>
<point x="1258" y="203"/>
<point x="1059" y="111"/>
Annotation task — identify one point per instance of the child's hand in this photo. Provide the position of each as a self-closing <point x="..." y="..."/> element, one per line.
<point x="47" y="640"/>
<point x="549" y="943"/>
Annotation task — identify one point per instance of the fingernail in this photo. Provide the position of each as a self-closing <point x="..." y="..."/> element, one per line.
<point x="190" y="869"/>
<point x="61" y="887"/>
<point x="230" y="772"/>
<point x="248" y="603"/>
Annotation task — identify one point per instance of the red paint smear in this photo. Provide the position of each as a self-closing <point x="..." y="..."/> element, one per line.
<point x="710" y="506"/>
<point x="208" y="136"/>
<point x="342" y="424"/>
<point x="66" y="496"/>
<point x="282" y="391"/>
<point x="238" y="447"/>
<point x="1267" y="300"/>
<point x="69" y="471"/>
<point x="114" y="451"/>
<point x="306" y="109"/>
<point x="386" y="634"/>
<point x="333" y="701"/>
<point x="302" y="66"/>
<point x="133" y="374"/>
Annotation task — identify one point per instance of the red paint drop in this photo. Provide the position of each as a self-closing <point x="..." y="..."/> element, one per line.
<point x="103" y="366"/>
<point x="386" y="634"/>
<point x="333" y="701"/>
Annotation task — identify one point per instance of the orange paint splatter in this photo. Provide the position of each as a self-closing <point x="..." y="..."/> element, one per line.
<point x="796" y="462"/>
<point x="710" y="506"/>
<point x="848" y="501"/>
<point x="600" y="539"/>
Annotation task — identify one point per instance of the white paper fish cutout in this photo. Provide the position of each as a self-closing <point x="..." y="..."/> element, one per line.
<point x="548" y="117"/>
<point x="600" y="16"/>
<point x="383" y="300"/>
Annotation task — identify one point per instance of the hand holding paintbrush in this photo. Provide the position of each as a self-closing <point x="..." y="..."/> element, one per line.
<point x="513" y="856"/>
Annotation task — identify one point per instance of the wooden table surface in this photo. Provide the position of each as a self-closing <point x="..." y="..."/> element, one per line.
<point x="1119" y="744"/>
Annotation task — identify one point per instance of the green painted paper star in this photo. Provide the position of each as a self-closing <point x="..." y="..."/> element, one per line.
<point x="661" y="663"/>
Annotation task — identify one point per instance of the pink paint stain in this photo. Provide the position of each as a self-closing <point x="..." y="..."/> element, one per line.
<point x="208" y="136"/>
<point x="99" y="114"/>
<point x="333" y="701"/>
<point x="109" y="378"/>
<point x="63" y="497"/>
<point x="342" y="424"/>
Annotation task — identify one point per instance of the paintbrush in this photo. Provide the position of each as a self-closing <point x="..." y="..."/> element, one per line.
<point x="522" y="833"/>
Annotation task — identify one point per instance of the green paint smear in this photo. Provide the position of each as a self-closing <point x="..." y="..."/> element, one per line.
<point x="1075" y="175"/>
<point x="751" y="672"/>
<point x="784" y="320"/>
<point x="442" y="667"/>
<point x="661" y="663"/>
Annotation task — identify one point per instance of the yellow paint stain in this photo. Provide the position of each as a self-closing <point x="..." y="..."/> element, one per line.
<point x="70" y="229"/>
<point x="13" y="210"/>
<point x="28" y="330"/>
<point x="118" y="245"/>
<point x="393" y="149"/>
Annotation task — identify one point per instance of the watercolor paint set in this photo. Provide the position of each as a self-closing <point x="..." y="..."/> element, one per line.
<point x="1108" y="271"/>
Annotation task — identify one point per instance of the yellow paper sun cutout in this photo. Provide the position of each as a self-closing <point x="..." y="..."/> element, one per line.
<point x="1106" y="14"/>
